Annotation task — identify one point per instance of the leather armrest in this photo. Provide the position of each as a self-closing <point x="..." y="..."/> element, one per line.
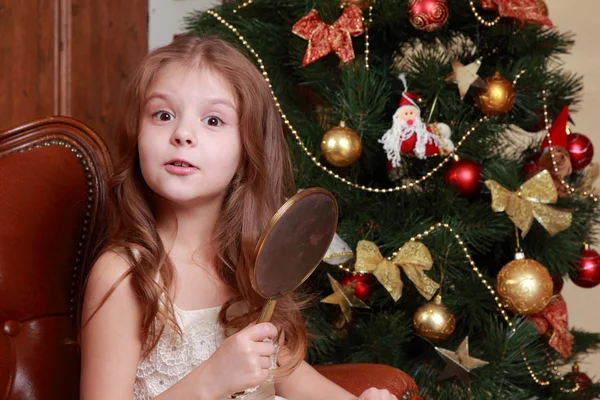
<point x="356" y="378"/>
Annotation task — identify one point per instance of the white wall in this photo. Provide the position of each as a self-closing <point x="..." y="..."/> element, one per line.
<point x="166" y="18"/>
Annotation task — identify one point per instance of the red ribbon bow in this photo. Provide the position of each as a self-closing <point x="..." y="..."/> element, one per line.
<point x="523" y="10"/>
<point x="555" y="317"/>
<point x="323" y="38"/>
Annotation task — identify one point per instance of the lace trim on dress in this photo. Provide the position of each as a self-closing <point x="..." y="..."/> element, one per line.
<point x="174" y="357"/>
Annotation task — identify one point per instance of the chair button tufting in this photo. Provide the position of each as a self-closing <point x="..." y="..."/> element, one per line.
<point x="11" y="328"/>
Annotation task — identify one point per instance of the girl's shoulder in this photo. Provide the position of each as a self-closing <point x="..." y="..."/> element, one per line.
<point x="110" y="268"/>
<point x="109" y="293"/>
<point x="127" y="253"/>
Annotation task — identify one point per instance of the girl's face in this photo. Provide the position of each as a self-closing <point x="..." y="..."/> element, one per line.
<point x="189" y="141"/>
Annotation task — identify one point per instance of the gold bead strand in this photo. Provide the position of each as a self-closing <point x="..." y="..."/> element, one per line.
<point x="517" y="77"/>
<point x="243" y="5"/>
<point x="552" y="155"/>
<point x="367" y="25"/>
<point x="531" y="373"/>
<point x="482" y="21"/>
<point x="555" y="371"/>
<point x="482" y="279"/>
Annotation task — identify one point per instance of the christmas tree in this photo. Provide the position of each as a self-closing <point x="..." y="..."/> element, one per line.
<point x="441" y="126"/>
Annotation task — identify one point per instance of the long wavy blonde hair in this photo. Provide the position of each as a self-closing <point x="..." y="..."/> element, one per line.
<point x="262" y="182"/>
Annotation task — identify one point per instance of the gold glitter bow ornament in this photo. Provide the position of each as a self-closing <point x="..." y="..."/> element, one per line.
<point x="413" y="258"/>
<point x="323" y="38"/>
<point x="529" y="202"/>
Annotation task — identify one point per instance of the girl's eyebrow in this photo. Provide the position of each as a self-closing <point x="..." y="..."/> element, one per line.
<point x="222" y="101"/>
<point x="210" y="100"/>
<point x="157" y="95"/>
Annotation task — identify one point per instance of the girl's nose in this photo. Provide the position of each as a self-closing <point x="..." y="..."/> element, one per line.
<point x="183" y="136"/>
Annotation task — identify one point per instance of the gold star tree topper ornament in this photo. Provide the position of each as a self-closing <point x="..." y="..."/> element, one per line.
<point x="344" y="297"/>
<point x="459" y="363"/>
<point x="466" y="76"/>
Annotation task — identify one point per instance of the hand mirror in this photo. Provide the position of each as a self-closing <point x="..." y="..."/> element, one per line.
<point x="293" y="244"/>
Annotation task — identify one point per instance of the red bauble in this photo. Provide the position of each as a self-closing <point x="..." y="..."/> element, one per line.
<point x="587" y="269"/>
<point x="581" y="150"/>
<point x="427" y="15"/>
<point x="464" y="176"/>
<point x="532" y="163"/>
<point x="362" y="290"/>
<point x="557" y="283"/>
<point x="582" y="379"/>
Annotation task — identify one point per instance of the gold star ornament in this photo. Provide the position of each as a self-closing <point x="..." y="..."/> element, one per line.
<point x="466" y="76"/>
<point x="459" y="363"/>
<point x="344" y="297"/>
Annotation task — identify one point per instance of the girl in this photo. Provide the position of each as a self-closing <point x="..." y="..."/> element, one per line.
<point x="169" y="308"/>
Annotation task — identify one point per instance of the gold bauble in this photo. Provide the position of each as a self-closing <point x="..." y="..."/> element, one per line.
<point x="434" y="321"/>
<point x="363" y="4"/>
<point x="499" y="96"/>
<point x="341" y="146"/>
<point x="524" y="286"/>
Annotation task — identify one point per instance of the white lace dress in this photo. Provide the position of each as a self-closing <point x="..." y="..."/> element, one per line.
<point x="173" y="358"/>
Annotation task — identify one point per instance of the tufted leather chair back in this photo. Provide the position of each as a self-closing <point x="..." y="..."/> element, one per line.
<point x="52" y="183"/>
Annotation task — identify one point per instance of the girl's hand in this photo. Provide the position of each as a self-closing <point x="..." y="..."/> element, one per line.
<point x="377" y="394"/>
<point x="240" y="363"/>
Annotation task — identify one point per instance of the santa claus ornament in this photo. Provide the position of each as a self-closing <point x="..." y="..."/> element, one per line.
<point x="410" y="135"/>
<point x="577" y="147"/>
<point x="561" y="167"/>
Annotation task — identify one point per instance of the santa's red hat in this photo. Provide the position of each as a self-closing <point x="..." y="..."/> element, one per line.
<point x="409" y="99"/>
<point x="558" y="130"/>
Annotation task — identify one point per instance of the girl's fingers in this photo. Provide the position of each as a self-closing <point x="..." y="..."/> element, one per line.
<point x="265" y="349"/>
<point x="262" y="331"/>
<point x="265" y="362"/>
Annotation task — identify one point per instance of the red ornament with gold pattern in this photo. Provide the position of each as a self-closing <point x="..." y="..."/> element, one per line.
<point x="427" y="15"/>
<point x="587" y="269"/>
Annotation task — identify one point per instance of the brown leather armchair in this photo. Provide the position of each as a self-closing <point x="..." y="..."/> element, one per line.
<point x="52" y="188"/>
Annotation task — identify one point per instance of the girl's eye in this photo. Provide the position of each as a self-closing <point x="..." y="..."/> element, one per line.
<point x="213" y="121"/>
<point x="163" y="116"/>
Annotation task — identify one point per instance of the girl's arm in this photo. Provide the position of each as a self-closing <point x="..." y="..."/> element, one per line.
<point x="111" y="341"/>
<point x="305" y="383"/>
<point x="111" y="344"/>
